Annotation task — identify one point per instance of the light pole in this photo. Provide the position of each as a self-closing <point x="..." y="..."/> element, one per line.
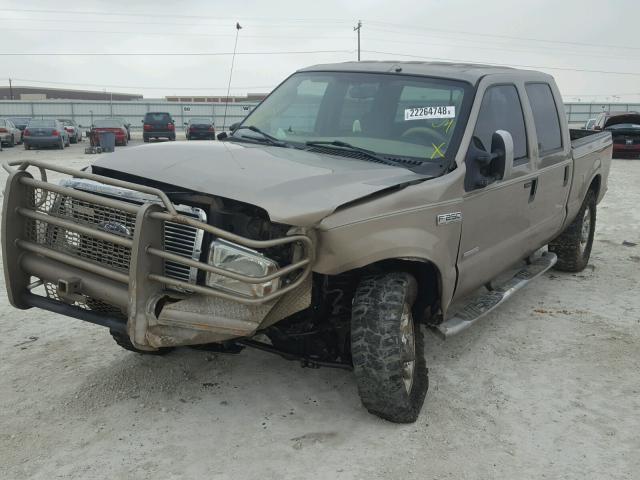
<point x="233" y="59"/>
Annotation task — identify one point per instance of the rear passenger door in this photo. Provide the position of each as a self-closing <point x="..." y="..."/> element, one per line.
<point x="553" y="163"/>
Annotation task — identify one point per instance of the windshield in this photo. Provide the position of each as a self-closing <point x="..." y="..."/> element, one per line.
<point x="42" y="123"/>
<point x="396" y="115"/>
<point x="157" y="117"/>
<point x="108" y="123"/>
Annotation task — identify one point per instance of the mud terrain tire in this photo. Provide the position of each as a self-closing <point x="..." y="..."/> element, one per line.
<point x="381" y="353"/>
<point x="573" y="246"/>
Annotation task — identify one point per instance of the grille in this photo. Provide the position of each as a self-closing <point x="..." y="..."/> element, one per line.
<point x="179" y="239"/>
<point x="185" y="241"/>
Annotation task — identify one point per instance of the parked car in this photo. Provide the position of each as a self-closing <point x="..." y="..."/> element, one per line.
<point x="588" y="125"/>
<point x="110" y="125"/>
<point x="201" y="128"/>
<point x="357" y="203"/>
<point x="45" y="133"/>
<point x="625" y="130"/>
<point x="20" y="122"/>
<point x="72" y="128"/>
<point x="158" y="125"/>
<point x="126" y="124"/>
<point x="10" y="135"/>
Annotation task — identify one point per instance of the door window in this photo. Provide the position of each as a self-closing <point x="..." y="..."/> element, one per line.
<point x="545" y="117"/>
<point x="501" y="110"/>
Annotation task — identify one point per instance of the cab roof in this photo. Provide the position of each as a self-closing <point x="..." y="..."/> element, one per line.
<point x="467" y="72"/>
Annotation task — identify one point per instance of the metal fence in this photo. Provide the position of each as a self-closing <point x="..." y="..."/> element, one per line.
<point x="84" y="112"/>
<point x="579" y="113"/>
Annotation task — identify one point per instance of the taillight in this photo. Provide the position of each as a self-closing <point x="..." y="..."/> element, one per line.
<point x="55" y="133"/>
<point x="211" y="129"/>
<point x="3" y="130"/>
<point x="170" y="126"/>
<point x="147" y="127"/>
<point x="26" y="132"/>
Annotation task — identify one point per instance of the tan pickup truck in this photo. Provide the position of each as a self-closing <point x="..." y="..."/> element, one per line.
<point x="355" y="204"/>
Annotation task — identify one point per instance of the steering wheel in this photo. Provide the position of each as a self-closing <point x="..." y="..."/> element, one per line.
<point x="421" y="132"/>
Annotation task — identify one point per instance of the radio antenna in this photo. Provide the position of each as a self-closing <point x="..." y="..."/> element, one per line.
<point x="233" y="59"/>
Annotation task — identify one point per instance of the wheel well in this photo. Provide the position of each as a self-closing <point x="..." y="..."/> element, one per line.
<point x="427" y="305"/>
<point x="595" y="185"/>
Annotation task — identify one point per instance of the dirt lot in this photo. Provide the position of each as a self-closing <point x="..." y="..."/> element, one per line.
<point x="546" y="387"/>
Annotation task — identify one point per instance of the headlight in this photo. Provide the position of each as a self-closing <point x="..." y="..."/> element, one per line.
<point x="238" y="259"/>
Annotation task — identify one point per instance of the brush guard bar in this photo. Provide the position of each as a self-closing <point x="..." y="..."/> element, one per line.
<point x="145" y="278"/>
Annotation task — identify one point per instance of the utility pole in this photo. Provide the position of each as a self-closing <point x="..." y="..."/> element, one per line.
<point x="233" y="59"/>
<point x="10" y="90"/>
<point x="357" y="29"/>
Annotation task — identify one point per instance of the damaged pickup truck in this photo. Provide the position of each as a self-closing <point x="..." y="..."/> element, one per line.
<point x="357" y="203"/>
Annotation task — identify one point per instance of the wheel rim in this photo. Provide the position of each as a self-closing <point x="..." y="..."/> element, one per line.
<point x="408" y="338"/>
<point x="586" y="228"/>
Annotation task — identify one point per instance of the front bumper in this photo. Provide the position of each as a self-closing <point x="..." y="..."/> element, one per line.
<point x="134" y="295"/>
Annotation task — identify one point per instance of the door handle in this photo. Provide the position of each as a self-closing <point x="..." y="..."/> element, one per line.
<point x="532" y="185"/>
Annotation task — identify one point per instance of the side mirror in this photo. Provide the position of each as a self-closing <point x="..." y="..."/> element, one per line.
<point x="485" y="168"/>
<point x="234" y="126"/>
<point x="597" y="127"/>
<point x="185" y="123"/>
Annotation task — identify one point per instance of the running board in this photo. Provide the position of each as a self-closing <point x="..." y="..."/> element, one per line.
<point x="483" y="303"/>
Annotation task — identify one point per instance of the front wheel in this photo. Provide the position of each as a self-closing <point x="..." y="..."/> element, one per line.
<point x="387" y="347"/>
<point x="573" y="246"/>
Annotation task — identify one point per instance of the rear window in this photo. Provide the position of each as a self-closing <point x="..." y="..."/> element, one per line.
<point x="66" y="123"/>
<point x="42" y="123"/>
<point x="157" y="117"/>
<point x="108" y="123"/>
<point x="204" y="121"/>
<point x="545" y="117"/>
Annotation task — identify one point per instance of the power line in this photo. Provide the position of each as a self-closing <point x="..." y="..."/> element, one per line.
<point x="506" y="37"/>
<point x="169" y="15"/>
<point x="163" y="54"/>
<point x="270" y="24"/>
<point x="163" y="34"/>
<point x="583" y="70"/>
<point x="101" y="85"/>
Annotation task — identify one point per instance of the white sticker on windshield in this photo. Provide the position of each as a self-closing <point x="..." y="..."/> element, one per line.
<point x="426" y="113"/>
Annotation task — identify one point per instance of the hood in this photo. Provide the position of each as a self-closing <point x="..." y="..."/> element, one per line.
<point x="295" y="187"/>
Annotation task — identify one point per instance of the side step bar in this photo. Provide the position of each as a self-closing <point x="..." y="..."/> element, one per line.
<point x="485" y="302"/>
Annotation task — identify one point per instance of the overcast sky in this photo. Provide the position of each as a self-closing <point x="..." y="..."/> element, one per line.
<point x="579" y="37"/>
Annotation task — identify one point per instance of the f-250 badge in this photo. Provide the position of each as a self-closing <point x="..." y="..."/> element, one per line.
<point x="445" y="218"/>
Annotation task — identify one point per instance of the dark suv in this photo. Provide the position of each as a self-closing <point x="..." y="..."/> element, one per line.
<point x="158" y="125"/>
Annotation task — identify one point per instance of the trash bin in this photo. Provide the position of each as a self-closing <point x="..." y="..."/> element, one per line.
<point x="107" y="141"/>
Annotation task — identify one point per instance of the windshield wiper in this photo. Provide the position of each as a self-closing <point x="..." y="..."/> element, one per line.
<point x="347" y="146"/>
<point x="271" y="140"/>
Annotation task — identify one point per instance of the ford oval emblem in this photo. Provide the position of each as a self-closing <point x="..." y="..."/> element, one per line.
<point x="116" y="229"/>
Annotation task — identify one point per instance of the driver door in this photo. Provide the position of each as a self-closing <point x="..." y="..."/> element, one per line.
<point x="495" y="219"/>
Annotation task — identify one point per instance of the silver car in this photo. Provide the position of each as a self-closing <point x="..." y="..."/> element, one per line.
<point x="10" y="135"/>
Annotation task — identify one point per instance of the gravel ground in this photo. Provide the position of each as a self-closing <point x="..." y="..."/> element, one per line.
<point x="548" y="386"/>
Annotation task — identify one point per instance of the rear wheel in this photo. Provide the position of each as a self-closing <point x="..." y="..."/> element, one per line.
<point x="61" y="144"/>
<point x="26" y="147"/>
<point x="573" y="246"/>
<point x="125" y="342"/>
<point x="387" y="347"/>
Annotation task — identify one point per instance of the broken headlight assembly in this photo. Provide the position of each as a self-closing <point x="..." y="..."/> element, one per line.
<point x="235" y="258"/>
